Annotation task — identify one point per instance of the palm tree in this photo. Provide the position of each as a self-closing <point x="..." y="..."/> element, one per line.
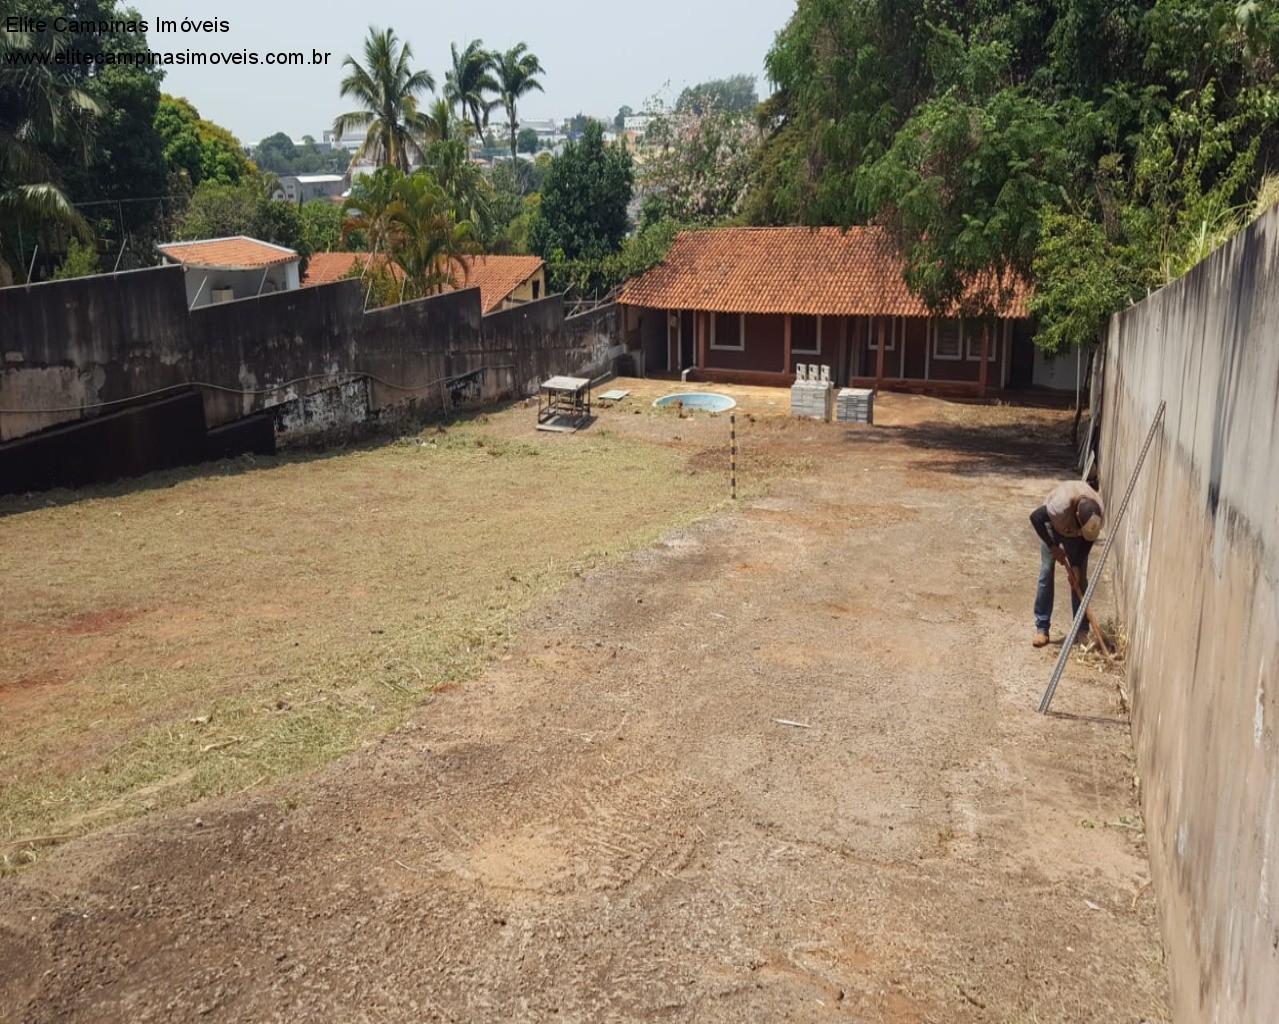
<point x="387" y="90"/>
<point x="469" y="82"/>
<point x="430" y="246"/>
<point x="371" y="208"/>
<point x="38" y="109"/>
<point x="516" y="69"/>
<point x="439" y="124"/>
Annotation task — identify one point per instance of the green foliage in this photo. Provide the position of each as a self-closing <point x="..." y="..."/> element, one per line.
<point x="386" y="88"/>
<point x="197" y="149"/>
<point x="619" y="122"/>
<point x="409" y="220"/>
<point x="527" y="140"/>
<point x="321" y="221"/>
<point x="584" y="200"/>
<point x="470" y="85"/>
<point x="735" y="94"/>
<point x="1093" y="148"/>
<point x="509" y="183"/>
<point x="219" y="210"/>
<point x="280" y="155"/>
<point x="81" y="261"/>
<point x="46" y="119"/>
<point x="642" y="251"/>
<point x="517" y="70"/>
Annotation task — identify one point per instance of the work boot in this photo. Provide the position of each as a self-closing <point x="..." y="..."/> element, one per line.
<point x="1041" y="638"/>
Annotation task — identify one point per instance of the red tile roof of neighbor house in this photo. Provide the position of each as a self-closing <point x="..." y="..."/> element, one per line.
<point x="798" y="270"/>
<point x="327" y="267"/>
<point x="495" y="276"/>
<point x="235" y="253"/>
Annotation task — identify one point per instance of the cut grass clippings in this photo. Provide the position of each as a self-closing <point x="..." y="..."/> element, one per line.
<point x="205" y="631"/>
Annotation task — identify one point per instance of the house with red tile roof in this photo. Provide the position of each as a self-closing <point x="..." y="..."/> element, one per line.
<point x="748" y="304"/>
<point x="503" y="281"/>
<point x="226" y="269"/>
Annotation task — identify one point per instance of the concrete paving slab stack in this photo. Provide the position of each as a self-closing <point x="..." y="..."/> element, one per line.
<point x="811" y="396"/>
<point x="855" y="405"/>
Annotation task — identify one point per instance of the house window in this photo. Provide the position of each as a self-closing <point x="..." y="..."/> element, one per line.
<point x="806" y="336"/>
<point x="948" y="336"/>
<point x="728" y="331"/>
<point x="537" y="290"/>
<point x="888" y="329"/>
<point x="972" y="345"/>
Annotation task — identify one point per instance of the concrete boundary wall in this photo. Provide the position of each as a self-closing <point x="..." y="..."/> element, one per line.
<point x="70" y="346"/>
<point x="1196" y="564"/>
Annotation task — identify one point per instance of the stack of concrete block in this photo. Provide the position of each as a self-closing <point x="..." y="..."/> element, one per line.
<point x="855" y="405"/>
<point x="811" y="396"/>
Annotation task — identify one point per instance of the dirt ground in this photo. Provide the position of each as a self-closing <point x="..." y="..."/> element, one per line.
<point x="783" y="764"/>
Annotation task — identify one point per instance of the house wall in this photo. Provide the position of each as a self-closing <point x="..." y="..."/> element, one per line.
<point x="524" y="291"/>
<point x="758" y="355"/>
<point x="1060" y="373"/>
<point x="1196" y="565"/>
<point x="76" y="345"/>
<point x="202" y="281"/>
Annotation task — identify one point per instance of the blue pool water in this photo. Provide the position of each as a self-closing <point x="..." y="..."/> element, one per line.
<point x="702" y="401"/>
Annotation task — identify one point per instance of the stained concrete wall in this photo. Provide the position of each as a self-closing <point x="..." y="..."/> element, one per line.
<point x="1197" y="568"/>
<point x="76" y="347"/>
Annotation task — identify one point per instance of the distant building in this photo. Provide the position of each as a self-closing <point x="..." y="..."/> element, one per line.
<point x="545" y="129"/>
<point x="636" y="122"/>
<point x="302" y="188"/>
<point x="350" y="141"/>
<point x="226" y="269"/>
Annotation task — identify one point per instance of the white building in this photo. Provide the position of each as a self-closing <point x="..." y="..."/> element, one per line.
<point x="226" y="269"/>
<point x="302" y="188"/>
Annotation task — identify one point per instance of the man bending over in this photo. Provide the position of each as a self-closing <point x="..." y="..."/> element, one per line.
<point x="1068" y="523"/>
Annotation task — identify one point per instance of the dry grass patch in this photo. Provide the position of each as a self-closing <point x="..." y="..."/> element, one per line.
<point x="205" y="631"/>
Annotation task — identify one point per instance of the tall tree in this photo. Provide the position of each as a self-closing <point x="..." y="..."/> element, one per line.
<point x="469" y="84"/>
<point x="39" y="110"/>
<point x="428" y="243"/>
<point x="387" y="89"/>
<point x="583" y="216"/>
<point x="735" y="94"/>
<point x="1088" y="146"/>
<point x="198" y="149"/>
<point x="517" y="71"/>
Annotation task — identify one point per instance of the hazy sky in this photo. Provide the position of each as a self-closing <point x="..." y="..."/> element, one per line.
<point x="597" y="56"/>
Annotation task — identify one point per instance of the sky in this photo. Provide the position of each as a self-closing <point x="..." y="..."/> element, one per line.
<point x="598" y="56"/>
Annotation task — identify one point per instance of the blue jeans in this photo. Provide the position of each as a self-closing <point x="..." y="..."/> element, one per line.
<point x="1077" y="550"/>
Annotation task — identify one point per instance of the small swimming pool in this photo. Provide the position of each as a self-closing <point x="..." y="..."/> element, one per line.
<point x="702" y="401"/>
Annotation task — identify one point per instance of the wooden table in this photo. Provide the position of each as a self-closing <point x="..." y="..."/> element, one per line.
<point x="564" y="404"/>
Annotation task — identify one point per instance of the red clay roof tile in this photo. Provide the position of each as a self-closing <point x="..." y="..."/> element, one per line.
<point x="235" y="253"/>
<point x="495" y="276"/>
<point x="797" y="270"/>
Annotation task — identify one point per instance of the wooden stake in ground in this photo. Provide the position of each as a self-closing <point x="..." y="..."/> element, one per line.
<point x="732" y="453"/>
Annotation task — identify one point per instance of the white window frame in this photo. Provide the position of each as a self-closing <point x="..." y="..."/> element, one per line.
<point x="935" y="325"/>
<point x="872" y="342"/>
<point x="741" y="335"/>
<point x="810" y="351"/>
<point x="972" y="353"/>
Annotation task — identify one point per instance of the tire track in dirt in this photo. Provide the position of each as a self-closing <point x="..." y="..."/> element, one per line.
<point x="611" y="824"/>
